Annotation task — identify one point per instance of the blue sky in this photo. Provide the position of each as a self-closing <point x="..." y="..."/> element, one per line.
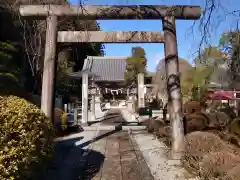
<point x="188" y="40"/>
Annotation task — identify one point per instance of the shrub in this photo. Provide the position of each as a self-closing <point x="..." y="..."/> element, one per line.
<point x="200" y="143"/>
<point x="223" y="119"/>
<point x="233" y="174"/>
<point x="192" y="107"/>
<point x="234" y="127"/>
<point x="217" y="164"/>
<point x="26" y="138"/>
<point x="165" y="131"/>
<point x="226" y="136"/>
<point x="60" y="119"/>
<point x="195" y="122"/>
<point x="218" y="120"/>
<point x="216" y="104"/>
<point x="229" y="111"/>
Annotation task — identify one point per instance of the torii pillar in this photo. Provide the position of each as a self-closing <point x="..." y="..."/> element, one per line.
<point x="141" y="101"/>
<point x="93" y="113"/>
<point x="84" y="98"/>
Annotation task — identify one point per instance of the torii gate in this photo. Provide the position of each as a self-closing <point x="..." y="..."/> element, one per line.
<point x="168" y="15"/>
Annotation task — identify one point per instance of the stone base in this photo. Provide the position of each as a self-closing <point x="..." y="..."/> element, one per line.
<point x="85" y="124"/>
<point x="112" y="127"/>
<point x="176" y="156"/>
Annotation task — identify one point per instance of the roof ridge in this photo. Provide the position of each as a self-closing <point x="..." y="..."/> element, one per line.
<point x="108" y="57"/>
<point x="108" y="68"/>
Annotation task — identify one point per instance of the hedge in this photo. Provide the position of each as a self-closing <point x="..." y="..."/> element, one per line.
<point x="61" y="120"/>
<point x="26" y="138"/>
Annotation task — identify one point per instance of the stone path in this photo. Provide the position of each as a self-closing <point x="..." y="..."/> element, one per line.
<point x="98" y="155"/>
<point x="111" y="155"/>
<point x="122" y="159"/>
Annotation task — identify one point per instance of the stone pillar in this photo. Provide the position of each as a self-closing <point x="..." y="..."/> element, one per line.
<point x="141" y="100"/>
<point x="84" y="98"/>
<point x="173" y="86"/>
<point x="93" y="115"/>
<point x="66" y="108"/>
<point x="69" y="107"/>
<point x="48" y="79"/>
<point x="75" y="116"/>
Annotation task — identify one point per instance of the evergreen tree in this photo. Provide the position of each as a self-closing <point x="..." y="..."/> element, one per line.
<point x="135" y="64"/>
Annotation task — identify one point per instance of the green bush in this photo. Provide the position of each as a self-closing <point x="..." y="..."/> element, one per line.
<point x="61" y="119"/>
<point x="26" y="138"/>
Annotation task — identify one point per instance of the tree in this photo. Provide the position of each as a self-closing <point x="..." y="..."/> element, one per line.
<point x="135" y="64"/>
<point x="194" y="82"/>
<point x="230" y="43"/>
<point x="210" y="56"/>
<point x="215" y="13"/>
<point x="160" y="76"/>
<point x="28" y="37"/>
<point x="9" y="68"/>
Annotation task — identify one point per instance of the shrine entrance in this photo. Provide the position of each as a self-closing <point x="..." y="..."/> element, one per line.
<point x="113" y="93"/>
<point x="108" y="83"/>
<point x="168" y="15"/>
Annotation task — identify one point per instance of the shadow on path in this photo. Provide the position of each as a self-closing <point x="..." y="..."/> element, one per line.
<point x="109" y="117"/>
<point x="71" y="162"/>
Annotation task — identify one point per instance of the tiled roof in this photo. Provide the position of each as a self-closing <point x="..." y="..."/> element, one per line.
<point x="106" y="68"/>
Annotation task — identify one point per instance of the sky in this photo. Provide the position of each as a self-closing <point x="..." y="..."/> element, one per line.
<point x="188" y="33"/>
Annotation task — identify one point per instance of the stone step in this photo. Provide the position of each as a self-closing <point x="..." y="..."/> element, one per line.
<point x="112" y="127"/>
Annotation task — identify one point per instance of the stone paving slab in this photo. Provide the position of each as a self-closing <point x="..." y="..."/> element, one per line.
<point x="129" y="161"/>
<point x="97" y="155"/>
<point x="121" y="161"/>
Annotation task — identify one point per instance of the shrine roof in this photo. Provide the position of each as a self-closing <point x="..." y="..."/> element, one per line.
<point x="107" y="68"/>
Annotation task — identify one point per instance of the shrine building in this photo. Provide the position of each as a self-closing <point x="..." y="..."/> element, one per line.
<point x="108" y="77"/>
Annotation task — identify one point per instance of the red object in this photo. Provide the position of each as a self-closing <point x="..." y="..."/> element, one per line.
<point x="222" y="95"/>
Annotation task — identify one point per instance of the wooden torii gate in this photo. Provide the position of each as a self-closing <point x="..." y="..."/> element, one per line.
<point x="168" y="15"/>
